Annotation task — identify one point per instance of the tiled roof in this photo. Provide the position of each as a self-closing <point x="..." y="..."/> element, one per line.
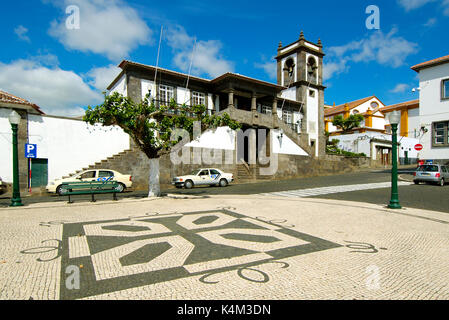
<point x="409" y="104"/>
<point x="431" y="63"/>
<point x="6" y="97"/>
<point x="341" y="108"/>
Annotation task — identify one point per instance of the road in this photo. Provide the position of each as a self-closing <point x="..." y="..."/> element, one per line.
<point x="369" y="186"/>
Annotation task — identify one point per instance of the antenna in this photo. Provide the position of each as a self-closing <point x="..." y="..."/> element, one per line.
<point x="190" y="67"/>
<point x="157" y="60"/>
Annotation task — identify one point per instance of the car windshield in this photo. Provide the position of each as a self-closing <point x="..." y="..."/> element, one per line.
<point x="195" y="172"/>
<point x="428" y="168"/>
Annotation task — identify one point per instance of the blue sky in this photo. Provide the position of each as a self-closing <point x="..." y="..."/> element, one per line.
<point x="64" y="70"/>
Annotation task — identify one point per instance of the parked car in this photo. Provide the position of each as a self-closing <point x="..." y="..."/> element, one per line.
<point x="2" y="186"/>
<point x="205" y="176"/>
<point x="434" y="173"/>
<point x="125" y="181"/>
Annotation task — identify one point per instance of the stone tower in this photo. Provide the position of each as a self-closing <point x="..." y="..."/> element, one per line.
<point x="300" y="69"/>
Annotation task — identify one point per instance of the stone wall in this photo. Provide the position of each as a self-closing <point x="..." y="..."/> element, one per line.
<point x="135" y="163"/>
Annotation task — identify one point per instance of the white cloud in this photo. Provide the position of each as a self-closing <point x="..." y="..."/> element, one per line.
<point x="270" y="68"/>
<point x="56" y="91"/>
<point x="107" y="27"/>
<point x="413" y="4"/>
<point x="399" y="88"/>
<point x="207" y="58"/>
<point x="21" y="32"/>
<point x="385" y="49"/>
<point x="100" y="78"/>
<point x="446" y="7"/>
<point x="431" y="22"/>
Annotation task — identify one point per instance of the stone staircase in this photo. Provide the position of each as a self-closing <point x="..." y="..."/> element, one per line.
<point x="248" y="173"/>
<point x="107" y="163"/>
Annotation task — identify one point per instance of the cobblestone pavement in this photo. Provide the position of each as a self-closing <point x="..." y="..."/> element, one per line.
<point x="223" y="247"/>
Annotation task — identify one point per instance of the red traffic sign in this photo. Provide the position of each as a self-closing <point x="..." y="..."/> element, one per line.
<point x="418" y="147"/>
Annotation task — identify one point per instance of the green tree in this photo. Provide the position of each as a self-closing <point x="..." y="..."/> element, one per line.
<point x="351" y="122"/>
<point x="154" y="129"/>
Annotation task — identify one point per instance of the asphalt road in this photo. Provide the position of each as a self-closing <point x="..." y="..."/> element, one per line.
<point x="430" y="197"/>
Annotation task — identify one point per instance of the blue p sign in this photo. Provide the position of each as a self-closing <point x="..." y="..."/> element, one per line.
<point x="30" y="150"/>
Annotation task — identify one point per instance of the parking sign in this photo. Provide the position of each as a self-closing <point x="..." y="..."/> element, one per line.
<point x="30" y="150"/>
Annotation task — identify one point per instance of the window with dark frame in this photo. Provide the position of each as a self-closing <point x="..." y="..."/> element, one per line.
<point x="445" y="89"/>
<point x="440" y="134"/>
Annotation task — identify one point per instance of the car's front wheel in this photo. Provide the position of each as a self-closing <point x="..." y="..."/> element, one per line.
<point x="188" y="184"/>
<point x="59" y="190"/>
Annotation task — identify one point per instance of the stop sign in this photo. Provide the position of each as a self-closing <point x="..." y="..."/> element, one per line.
<point x="418" y="147"/>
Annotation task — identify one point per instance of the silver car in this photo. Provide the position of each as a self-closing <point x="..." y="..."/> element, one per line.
<point x="434" y="173"/>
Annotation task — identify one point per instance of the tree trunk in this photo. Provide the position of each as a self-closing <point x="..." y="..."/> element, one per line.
<point x="153" y="182"/>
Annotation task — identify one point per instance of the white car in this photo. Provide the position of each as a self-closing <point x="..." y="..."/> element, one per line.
<point x="125" y="181"/>
<point x="201" y="177"/>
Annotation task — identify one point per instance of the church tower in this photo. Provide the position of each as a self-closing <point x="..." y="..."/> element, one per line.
<point x="300" y="70"/>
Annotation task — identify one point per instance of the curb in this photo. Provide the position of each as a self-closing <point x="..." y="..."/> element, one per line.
<point x="404" y="179"/>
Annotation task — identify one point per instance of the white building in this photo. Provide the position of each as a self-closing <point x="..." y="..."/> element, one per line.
<point x="373" y="136"/>
<point x="434" y="108"/>
<point x="64" y="145"/>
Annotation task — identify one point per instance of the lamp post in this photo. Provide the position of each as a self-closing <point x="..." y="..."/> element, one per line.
<point x="16" y="201"/>
<point x="394" y="119"/>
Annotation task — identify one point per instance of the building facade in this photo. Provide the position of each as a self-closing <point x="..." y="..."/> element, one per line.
<point x="434" y="109"/>
<point x="291" y="108"/>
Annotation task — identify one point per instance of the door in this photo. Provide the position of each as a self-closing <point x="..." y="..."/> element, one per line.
<point x="204" y="177"/>
<point x="39" y="172"/>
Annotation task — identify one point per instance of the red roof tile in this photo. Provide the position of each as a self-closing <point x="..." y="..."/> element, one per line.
<point x="6" y="97"/>
<point x="431" y="63"/>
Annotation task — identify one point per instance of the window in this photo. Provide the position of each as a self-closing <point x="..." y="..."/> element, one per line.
<point x="198" y="98"/>
<point x="166" y="93"/>
<point x="374" y="104"/>
<point x="445" y="89"/>
<point x="106" y="174"/>
<point x="214" y="172"/>
<point x="312" y="93"/>
<point x="266" y="109"/>
<point x="440" y="134"/>
<point x="204" y="173"/>
<point x="287" y="116"/>
<point x="87" y="175"/>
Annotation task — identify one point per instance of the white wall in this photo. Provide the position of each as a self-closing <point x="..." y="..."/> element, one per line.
<point x="312" y="118"/>
<point x="120" y="86"/>
<point x="220" y="138"/>
<point x="69" y="145"/>
<point x="413" y="123"/>
<point x="285" y="145"/>
<point x="5" y="146"/>
<point x="148" y="85"/>
<point x="289" y="94"/>
<point x="432" y="108"/>
<point x="360" y="143"/>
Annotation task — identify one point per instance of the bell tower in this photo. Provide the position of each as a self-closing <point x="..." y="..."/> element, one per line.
<point x="300" y="71"/>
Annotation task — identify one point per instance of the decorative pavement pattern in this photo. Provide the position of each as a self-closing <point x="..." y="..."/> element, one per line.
<point x="222" y="247"/>
<point x="126" y="253"/>
<point x="303" y="193"/>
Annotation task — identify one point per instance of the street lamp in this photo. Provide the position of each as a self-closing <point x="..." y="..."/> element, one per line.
<point x="394" y="119"/>
<point x="14" y="119"/>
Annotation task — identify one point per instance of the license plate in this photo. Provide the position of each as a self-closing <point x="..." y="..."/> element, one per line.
<point x="425" y="174"/>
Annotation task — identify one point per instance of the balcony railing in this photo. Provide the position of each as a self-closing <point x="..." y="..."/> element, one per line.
<point x="178" y="111"/>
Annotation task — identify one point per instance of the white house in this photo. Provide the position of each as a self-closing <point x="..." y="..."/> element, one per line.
<point x="434" y="108"/>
